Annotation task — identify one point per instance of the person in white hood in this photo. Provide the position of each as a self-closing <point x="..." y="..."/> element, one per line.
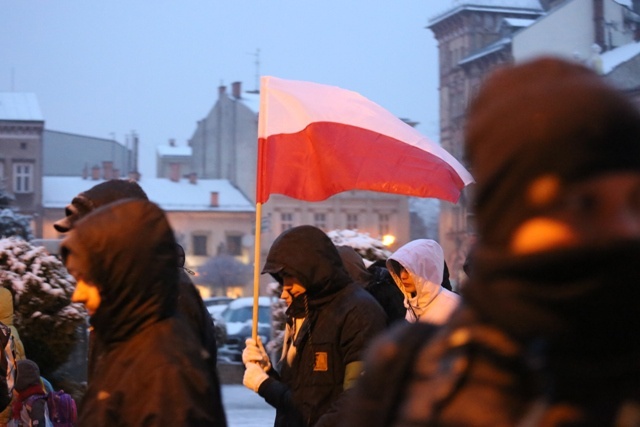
<point x="417" y="268"/>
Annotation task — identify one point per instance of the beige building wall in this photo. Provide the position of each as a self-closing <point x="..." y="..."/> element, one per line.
<point x="21" y="166"/>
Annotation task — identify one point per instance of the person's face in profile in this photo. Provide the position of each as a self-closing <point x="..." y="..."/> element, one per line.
<point x="291" y="288"/>
<point x="407" y="281"/>
<point x="87" y="294"/>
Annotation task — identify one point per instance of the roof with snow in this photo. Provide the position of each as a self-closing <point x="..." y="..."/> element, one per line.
<point x="494" y="47"/>
<point x="532" y="7"/>
<point x="19" y="106"/>
<point x="169" y="195"/>
<point x="251" y="100"/>
<point x="519" y="22"/>
<point x="174" y="150"/>
<point x="615" y="57"/>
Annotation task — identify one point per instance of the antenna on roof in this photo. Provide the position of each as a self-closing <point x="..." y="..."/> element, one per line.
<point x="257" y="63"/>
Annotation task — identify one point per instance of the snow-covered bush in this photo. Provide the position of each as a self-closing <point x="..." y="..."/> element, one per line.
<point x="369" y="248"/>
<point x="14" y="224"/>
<point x="44" y="315"/>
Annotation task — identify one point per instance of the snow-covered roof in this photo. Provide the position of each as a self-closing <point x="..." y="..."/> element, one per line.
<point x="174" y="150"/>
<point x="57" y="192"/>
<point x="612" y="58"/>
<point x="626" y="3"/>
<point x="19" y="106"/>
<point x="532" y="7"/>
<point x="519" y="22"/>
<point x="251" y="100"/>
<point x="494" y="47"/>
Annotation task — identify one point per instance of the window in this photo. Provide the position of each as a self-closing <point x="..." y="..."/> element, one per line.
<point x="234" y="245"/>
<point x="383" y="224"/>
<point x="286" y="221"/>
<point x="320" y="220"/>
<point x="352" y="221"/>
<point x="200" y="245"/>
<point x="23" y="178"/>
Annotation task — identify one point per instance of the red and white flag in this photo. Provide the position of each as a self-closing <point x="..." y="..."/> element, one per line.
<point x="315" y="141"/>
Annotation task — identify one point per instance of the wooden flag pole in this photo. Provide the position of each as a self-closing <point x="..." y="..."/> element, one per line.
<point x="256" y="271"/>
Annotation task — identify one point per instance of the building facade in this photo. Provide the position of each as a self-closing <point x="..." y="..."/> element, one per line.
<point x="21" y="157"/>
<point x="68" y="154"/>
<point x="224" y="146"/>
<point x="475" y="37"/>
<point x="208" y="216"/>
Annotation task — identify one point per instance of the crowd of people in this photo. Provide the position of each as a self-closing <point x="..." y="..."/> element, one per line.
<point x="543" y="332"/>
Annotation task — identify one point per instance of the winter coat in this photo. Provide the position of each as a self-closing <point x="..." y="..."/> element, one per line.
<point x="6" y="317"/>
<point x="540" y="340"/>
<point x="152" y="369"/>
<point x="424" y="261"/>
<point x="340" y="321"/>
<point x="377" y="281"/>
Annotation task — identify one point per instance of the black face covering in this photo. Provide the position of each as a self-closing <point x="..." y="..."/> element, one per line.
<point x="584" y="300"/>
<point x="297" y="308"/>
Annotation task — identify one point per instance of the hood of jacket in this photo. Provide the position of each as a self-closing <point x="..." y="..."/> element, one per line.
<point x="128" y="250"/>
<point x="354" y="264"/>
<point x="307" y="253"/>
<point x="424" y="261"/>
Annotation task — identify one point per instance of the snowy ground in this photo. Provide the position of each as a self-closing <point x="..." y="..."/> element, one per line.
<point x="245" y="408"/>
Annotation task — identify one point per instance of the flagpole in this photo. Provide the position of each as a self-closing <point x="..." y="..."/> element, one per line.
<point x="256" y="270"/>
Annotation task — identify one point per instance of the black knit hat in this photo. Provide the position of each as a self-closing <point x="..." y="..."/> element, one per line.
<point x="99" y="195"/>
<point x="545" y="118"/>
<point x="28" y="374"/>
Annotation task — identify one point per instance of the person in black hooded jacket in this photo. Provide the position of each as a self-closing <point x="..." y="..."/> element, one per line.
<point x="151" y="369"/>
<point x="190" y="304"/>
<point x="340" y="319"/>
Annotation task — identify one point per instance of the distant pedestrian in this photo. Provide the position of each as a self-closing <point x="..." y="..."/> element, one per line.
<point x="151" y="368"/>
<point x="30" y="404"/>
<point x="6" y="317"/>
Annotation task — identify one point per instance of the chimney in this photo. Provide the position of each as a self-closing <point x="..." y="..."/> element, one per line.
<point x="172" y="142"/>
<point x="193" y="178"/>
<point x="95" y="172"/>
<point x="85" y="171"/>
<point x="221" y="91"/>
<point x="214" y="199"/>
<point x="236" y="89"/>
<point x="115" y="173"/>
<point x="174" y="171"/>
<point x="107" y="170"/>
<point x="134" y="176"/>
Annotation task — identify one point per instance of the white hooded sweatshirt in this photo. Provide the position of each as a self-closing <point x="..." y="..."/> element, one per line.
<point x="424" y="261"/>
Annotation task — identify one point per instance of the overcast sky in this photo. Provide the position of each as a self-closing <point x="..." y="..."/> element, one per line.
<point x="107" y="68"/>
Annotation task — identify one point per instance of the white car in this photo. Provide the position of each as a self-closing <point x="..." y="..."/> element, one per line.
<point x="238" y="318"/>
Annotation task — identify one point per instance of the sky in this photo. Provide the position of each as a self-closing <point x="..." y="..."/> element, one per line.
<point x="153" y="67"/>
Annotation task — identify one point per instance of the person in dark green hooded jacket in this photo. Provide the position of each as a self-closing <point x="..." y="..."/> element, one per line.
<point x="324" y="360"/>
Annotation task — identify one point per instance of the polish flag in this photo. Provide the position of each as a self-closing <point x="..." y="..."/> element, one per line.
<point x="315" y="141"/>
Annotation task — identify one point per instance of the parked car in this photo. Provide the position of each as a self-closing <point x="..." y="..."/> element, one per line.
<point x="215" y="307"/>
<point x="238" y="318"/>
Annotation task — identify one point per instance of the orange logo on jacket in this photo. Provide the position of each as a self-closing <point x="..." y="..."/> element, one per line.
<point x="322" y="361"/>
